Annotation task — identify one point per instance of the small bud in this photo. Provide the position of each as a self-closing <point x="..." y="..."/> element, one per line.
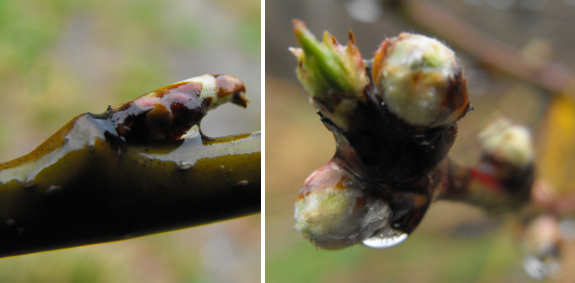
<point x="334" y="211"/>
<point x="169" y="112"/>
<point x="503" y="179"/>
<point x="420" y="80"/>
<point x="507" y="142"/>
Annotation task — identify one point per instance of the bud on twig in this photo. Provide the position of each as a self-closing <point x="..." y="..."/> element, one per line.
<point x="334" y="211"/>
<point x="420" y="80"/>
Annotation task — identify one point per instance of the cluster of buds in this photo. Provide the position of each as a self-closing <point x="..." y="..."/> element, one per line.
<point x="394" y="119"/>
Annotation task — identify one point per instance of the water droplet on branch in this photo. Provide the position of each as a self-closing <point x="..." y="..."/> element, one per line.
<point x="385" y="240"/>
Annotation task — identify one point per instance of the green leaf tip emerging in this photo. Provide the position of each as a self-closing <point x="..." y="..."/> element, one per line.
<point x="328" y="69"/>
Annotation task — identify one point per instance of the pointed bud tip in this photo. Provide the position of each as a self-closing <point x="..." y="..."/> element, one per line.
<point x="297" y="52"/>
<point x="351" y="40"/>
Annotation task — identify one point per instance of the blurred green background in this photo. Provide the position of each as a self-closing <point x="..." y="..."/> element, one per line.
<point x="60" y="58"/>
<point x="454" y="242"/>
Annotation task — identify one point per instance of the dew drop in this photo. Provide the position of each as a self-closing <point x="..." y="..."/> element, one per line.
<point x="242" y="183"/>
<point x="386" y="240"/>
<point x="10" y="222"/>
<point x="185" y="165"/>
<point x="53" y="189"/>
<point x="223" y="167"/>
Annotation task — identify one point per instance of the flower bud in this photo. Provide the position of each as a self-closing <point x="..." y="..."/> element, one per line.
<point x="503" y="179"/>
<point x="420" y="80"/>
<point x="333" y="74"/>
<point x="507" y="142"/>
<point x="334" y="211"/>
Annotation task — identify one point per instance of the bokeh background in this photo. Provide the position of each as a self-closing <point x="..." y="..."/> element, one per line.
<point x="517" y="57"/>
<point x="60" y="58"/>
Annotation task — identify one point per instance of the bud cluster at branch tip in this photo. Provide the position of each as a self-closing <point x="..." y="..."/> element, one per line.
<point x="393" y="120"/>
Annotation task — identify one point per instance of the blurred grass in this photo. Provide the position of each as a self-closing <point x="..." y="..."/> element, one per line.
<point x="60" y="58"/>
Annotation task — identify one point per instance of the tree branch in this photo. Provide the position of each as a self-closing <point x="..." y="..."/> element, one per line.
<point x="86" y="184"/>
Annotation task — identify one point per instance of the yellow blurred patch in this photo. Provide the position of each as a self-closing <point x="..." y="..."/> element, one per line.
<point x="557" y="162"/>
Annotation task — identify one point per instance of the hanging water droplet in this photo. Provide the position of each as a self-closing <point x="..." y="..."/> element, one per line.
<point x="53" y="189"/>
<point x="385" y="240"/>
<point x="10" y="222"/>
<point x="185" y="165"/>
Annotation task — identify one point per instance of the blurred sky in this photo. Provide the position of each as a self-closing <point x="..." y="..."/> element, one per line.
<point x="61" y="58"/>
